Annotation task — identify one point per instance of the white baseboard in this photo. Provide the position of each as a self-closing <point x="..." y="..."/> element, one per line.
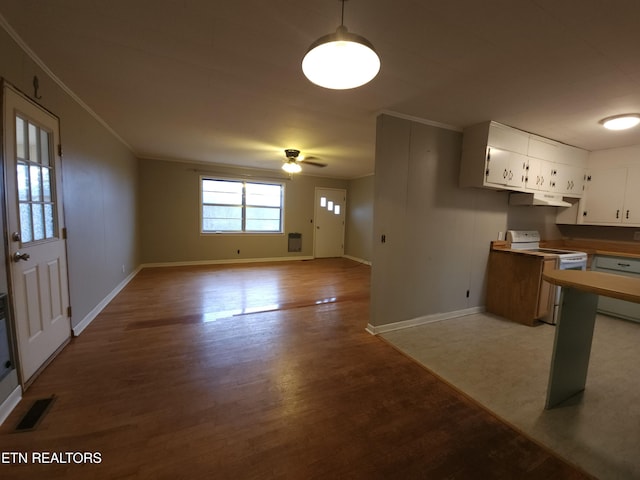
<point x="90" y="317"/>
<point x="414" y="322"/>
<point x="356" y="259"/>
<point x="224" y="261"/>
<point x="10" y="403"/>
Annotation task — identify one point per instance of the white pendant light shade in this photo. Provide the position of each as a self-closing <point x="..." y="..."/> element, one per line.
<point x="341" y="60"/>
<point x="621" y="122"/>
<point x="291" y="167"/>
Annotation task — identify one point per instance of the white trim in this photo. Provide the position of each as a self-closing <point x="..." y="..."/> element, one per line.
<point x="10" y="403"/>
<point x="32" y="55"/>
<point x="414" y="322"/>
<point x="356" y="259"/>
<point x="224" y="261"/>
<point x="90" y="317"/>
<point x="424" y="121"/>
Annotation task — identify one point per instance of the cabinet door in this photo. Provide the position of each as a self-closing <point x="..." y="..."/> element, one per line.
<point x="505" y="168"/>
<point x="538" y="174"/>
<point x="569" y="180"/>
<point x="631" y="210"/>
<point x="543" y="149"/>
<point x="517" y="175"/>
<point x="507" y="138"/>
<point x="604" y="196"/>
<point x="549" y="172"/>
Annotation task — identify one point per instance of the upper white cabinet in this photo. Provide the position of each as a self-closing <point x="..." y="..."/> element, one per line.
<point x="501" y="157"/>
<point x="507" y="138"/>
<point x="505" y="168"/>
<point x="612" y="197"/>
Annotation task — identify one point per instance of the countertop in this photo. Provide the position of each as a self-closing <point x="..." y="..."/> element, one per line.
<point x="590" y="247"/>
<point x="607" y="284"/>
<point x="597" y="247"/>
<point x="502" y="246"/>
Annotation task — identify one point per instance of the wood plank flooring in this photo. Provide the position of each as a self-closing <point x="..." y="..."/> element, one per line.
<point x="258" y="372"/>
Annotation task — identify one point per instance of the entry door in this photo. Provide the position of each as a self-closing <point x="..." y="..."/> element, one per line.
<point x="329" y="220"/>
<point x="37" y="250"/>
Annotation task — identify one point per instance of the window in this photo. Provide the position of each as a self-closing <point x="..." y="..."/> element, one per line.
<point x="36" y="182"/>
<point x="237" y="206"/>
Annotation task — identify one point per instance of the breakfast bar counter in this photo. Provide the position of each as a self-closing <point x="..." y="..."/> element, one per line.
<point x="574" y="330"/>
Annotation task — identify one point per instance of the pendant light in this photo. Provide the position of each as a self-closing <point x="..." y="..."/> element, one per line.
<point x="341" y="60"/>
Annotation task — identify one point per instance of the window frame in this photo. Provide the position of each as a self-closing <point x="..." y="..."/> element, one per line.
<point x="244" y="206"/>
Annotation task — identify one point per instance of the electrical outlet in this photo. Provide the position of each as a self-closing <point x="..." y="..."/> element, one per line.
<point x="636" y="236"/>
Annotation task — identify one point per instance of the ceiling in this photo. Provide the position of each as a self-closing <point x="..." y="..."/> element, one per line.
<point x="221" y="82"/>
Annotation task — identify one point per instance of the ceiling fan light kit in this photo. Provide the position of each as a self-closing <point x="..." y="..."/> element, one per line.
<point x="621" y="122"/>
<point x="291" y="167"/>
<point x="293" y="160"/>
<point x="341" y="60"/>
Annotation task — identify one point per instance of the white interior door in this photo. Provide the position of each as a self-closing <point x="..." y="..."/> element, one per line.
<point x="37" y="250"/>
<point x="329" y="221"/>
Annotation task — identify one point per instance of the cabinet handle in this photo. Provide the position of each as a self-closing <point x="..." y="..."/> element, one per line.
<point x="505" y="173"/>
<point x="617" y="213"/>
<point x="624" y="265"/>
<point x="510" y="174"/>
<point x="627" y="215"/>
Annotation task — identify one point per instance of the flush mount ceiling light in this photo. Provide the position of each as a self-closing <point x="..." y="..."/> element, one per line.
<point x="621" y="122"/>
<point x="341" y="60"/>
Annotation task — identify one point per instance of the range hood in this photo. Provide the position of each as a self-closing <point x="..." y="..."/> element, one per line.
<point x="538" y="198"/>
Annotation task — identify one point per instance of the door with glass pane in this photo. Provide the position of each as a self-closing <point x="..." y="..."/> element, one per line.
<point x="37" y="250"/>
<point x="329" y="221"/>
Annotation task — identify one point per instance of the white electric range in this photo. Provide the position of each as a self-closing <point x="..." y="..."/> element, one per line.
<point x="529" y="240"/>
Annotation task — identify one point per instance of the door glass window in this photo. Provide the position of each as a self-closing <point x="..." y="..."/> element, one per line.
<point x="35" y="180"/>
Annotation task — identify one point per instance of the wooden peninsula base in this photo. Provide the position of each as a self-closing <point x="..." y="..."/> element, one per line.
<point x="576" y="321"/>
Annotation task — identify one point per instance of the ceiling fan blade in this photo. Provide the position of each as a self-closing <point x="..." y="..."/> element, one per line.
<point x="315" y="164"/>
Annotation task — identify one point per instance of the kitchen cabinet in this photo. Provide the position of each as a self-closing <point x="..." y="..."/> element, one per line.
<point x="494" y="156"/>
<point x="612" y="197"/>
<point x="629" y="267"/>
<point x="556" y="168"/>
<point x="500" y="157"/>
<point x="538" y="174"/>
<point x="505" y="168"/>
<point x="568" y="180"/>
<point x="515" y="289"/>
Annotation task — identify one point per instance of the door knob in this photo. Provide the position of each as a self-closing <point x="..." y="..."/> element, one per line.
<point x="20" y="256"/>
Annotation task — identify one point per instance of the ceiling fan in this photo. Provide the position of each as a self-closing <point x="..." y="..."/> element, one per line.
<point x="293" y="159"/>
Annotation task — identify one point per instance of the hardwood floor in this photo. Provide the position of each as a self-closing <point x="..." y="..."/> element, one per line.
<point x="258" y="372"/>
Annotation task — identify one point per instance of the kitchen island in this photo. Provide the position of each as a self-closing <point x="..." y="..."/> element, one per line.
<point x="574" y="331"/>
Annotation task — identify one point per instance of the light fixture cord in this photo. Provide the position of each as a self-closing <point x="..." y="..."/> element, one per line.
<point x="342" y="17"/>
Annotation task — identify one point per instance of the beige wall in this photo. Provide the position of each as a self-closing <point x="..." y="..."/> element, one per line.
<point x="437" y="234"/>
<point x="359" y="227"/>
<point x="99" y="188"/>
<point x="169" y="212"/>
<point x="99" y="185"/>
